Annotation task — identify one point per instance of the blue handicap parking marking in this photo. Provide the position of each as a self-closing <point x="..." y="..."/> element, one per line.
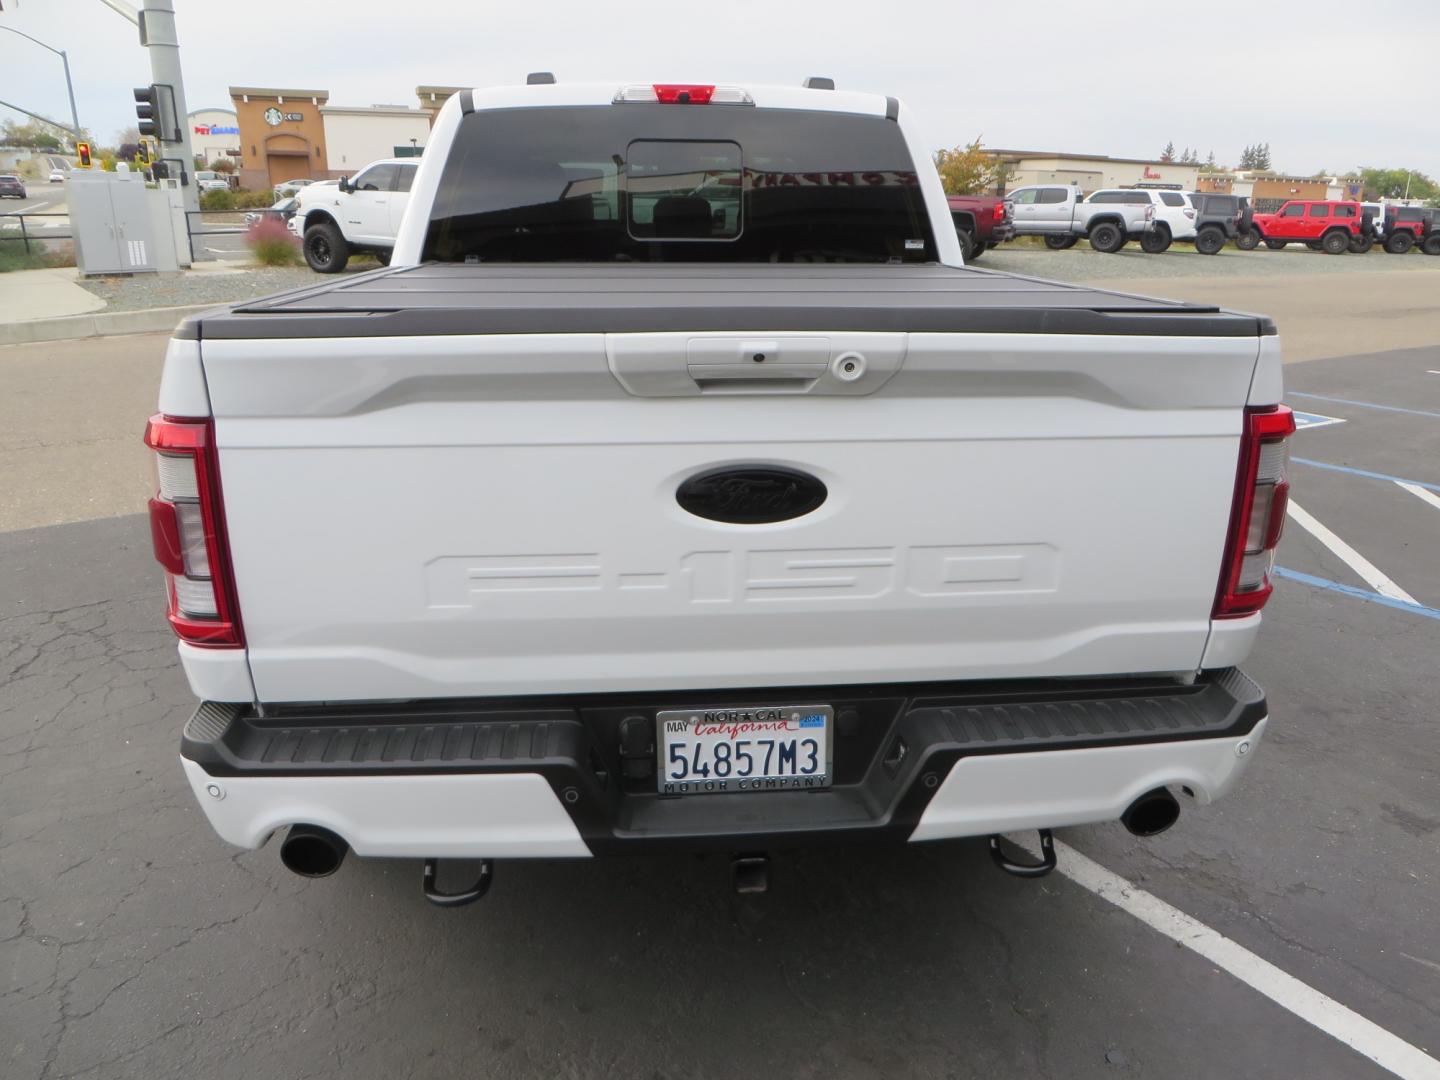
<point x="1305" y="420"/>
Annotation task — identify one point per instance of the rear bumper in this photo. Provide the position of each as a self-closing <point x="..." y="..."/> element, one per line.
<point x="546" y="779"/>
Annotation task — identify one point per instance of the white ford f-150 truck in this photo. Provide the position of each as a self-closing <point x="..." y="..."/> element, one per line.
<point x="677" y="488"/>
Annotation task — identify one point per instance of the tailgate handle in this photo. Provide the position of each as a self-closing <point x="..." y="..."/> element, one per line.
<point x="755" y="378"/>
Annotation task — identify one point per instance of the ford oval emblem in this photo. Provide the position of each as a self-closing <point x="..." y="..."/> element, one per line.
<point x="751" y="494"/>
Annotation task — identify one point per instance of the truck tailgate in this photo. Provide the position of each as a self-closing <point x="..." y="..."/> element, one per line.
<point x="444" y="482"/>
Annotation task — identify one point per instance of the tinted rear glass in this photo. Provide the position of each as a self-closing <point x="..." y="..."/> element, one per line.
<point x="1051" y="195"/>
<point x="649" y="183"/>
<point x="1172" y="198"/>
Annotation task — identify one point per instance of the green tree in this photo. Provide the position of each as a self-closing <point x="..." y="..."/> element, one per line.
<point x="969" y="170"/>
<point x="1210" y="165"/>
<point x="1168" y="154"/>
<point x="35" y="135"/>
<point x="1262" y="155"/>
<point x="1393" y="184"/>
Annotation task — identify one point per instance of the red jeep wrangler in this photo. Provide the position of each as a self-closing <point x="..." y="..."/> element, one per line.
<point x="1411" y="226"/>
<point x="1331" y="227"/>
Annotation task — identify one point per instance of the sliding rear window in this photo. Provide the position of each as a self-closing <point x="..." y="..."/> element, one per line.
<point x="678" y="183"/>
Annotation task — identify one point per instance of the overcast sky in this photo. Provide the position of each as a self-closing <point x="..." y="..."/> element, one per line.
<point x="1047" y="74"/>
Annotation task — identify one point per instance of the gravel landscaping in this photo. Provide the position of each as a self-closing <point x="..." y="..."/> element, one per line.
<point x="1080" y="263"/>
<point x="206" y="286"/>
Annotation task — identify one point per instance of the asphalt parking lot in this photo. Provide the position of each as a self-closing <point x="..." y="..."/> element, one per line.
<point x="133" y="943"/>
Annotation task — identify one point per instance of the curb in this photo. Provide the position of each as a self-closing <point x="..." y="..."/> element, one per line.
<point x="99" y="324"/>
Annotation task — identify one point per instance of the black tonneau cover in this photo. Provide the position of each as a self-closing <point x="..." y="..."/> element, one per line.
<point x="557" y="298"/>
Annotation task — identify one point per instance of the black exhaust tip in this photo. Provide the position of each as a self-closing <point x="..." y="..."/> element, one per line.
<point x="312" y="852"/>
<point x="1152" y="813"/>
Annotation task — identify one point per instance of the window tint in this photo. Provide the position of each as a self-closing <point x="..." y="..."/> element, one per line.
<point x="683" y="190"/>
<point x="648" y="183"/>
<point x="1172" y="198"/>
<point x="1052" y="195"/>
<point x="1344" y="211"/>
<point x="376" y="178"/>
<point x="1319" y="211"/>
<point x="404" y="177"/>
<point x="1106" y="197"/>
<point x="1293" y="210"/>
<point x="1024" y="197"/>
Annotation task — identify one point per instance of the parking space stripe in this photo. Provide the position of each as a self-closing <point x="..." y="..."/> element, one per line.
<point x="1357" y="593"/>
<point x="1364" y="404"/>
<point x="1352" y="558"/>
<point x="1420" y="492"/>
<point x="1386" y="1049"/>
<point x="1362" y="472"/>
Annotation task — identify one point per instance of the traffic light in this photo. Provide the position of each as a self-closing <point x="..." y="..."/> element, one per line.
<point x="142" y="153"/>
<point x="155" y="109"/>
<point x="82" y="152"/>
<point x="147" y="108"/>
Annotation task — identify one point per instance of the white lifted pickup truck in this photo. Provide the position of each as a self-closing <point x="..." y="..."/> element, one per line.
<point x="676" y="487"/>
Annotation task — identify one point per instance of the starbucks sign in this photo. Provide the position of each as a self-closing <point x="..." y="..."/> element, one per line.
<point x="274" y="116"/>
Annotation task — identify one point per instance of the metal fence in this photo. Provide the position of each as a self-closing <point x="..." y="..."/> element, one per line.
<point x="30" y="235"/>
<point x="202" y="223"/>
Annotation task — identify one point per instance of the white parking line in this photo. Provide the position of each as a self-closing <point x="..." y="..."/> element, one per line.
<point x="1420" y="493"/>
<point x="1387" y="1050"/>
<point x="1352" y="558"/>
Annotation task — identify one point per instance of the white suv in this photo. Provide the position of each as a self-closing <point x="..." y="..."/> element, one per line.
<point x="1174" y="215"/>
<point x="334" y="220"/>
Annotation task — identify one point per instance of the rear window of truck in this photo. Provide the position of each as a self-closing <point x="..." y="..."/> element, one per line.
<point x="678" y="183"/>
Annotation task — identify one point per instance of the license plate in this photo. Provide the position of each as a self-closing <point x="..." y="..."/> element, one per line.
<point x="726" y="751"/>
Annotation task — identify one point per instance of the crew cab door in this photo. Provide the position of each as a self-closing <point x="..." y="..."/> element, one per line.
<point x="404" y="177"/>
<point x="365" y="210"/>
<point x="1290" y="222"/>
<point x="1024" y="203"/>
<point x="1317" y="219"/>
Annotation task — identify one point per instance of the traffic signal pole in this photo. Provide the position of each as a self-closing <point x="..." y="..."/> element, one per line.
<point x="157" y="33"/>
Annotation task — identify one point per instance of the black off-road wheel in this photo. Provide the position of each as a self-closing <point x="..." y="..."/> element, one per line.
<point x="1209" y="240"/>
<point x="1359" y="245"/>
<point x="1335" y="243"/>
<point x="967" y="243"/>
<point x="1275" y="245"/>
<point x="325" y="248"/>
<point x="1156" y="241"/>
<point x="1399" y="242"/>
<point x="1061" y="243"/>
<point x="1107" y="237"/>
<point x="1248" y="240"/>
<point x="1431" y="246"/>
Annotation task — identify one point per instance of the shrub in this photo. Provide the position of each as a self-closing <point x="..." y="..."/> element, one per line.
<point x="253" y="200"/>
<point x="217" y="200"/>
<point x="272" y="243"/>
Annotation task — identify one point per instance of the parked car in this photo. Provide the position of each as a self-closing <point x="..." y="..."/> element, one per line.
<point x="282" y="210"/>
<point x="1406" y="227"/>
<point x="290" y="187"/>
<point x="336" y="220"/>
<point x="1328" y="226"/>
<point x="208" y="180"/>
<point x="57" y="176"/>
<point x="591" y="473"/>
<point x="1056" y="212"/>
<point x="981" y="222"/>
<point x="1218" y="218"/>
<point x="11" y="187"/>
<point x="1174" y="216"/>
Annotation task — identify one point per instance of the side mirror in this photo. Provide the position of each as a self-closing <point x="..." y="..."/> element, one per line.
<point x="344" y="185"/>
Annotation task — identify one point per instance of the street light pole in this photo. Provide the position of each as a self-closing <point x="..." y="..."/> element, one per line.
<point x="69" y="89"/>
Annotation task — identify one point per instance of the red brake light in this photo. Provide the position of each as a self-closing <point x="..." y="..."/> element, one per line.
<point x="683" y="93"/>
<point x="187" y="526"/>
<point x="1257" y="514"/>
<point x="998" y="213"/>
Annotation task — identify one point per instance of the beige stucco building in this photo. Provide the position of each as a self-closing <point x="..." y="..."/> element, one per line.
<point x="215" y="135"/>
<point x="357" y="135"/>
<point x="1091" y="172"/>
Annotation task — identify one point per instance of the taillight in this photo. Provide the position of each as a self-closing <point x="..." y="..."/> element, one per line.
<point x="998" y="213"/>
<point x="187" y="527"/>
<point x="1257" y="516"/>
<point x="682" y="94"/>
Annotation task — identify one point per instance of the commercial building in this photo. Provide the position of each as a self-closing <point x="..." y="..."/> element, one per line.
<point x="432" y="97"/>
<point x="215" y="135"/>
<point x="282" y="135"/>
<point x="355" y="136"/>
<point x="1091" y="172"/>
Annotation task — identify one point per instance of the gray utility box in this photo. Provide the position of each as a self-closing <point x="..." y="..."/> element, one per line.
<point x="120" y="226"/>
